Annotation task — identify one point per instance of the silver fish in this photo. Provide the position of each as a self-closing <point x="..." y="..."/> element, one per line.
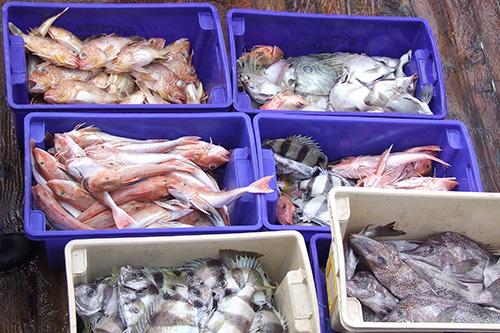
<point x="431" y="308"/>
<point x="258" y="86"/>
<point x="323" y="183"/>
<point x="268" y="320"/>
<point x="314" y="210"/>
<point x="365" y="287"/>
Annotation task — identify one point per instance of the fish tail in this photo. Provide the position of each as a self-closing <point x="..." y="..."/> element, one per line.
<point x="15" y="30"/>
<point x="122" y="218"/>
<point x="261" y="185"/>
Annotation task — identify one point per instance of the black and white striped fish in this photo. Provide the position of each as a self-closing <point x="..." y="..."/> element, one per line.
<point x="323" y="183"/>
<point x="299" y="148"/>
<point x="314" y="210"/>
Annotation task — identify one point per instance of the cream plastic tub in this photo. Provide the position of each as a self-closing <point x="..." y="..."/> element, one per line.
<point x="420" y="214"/>
<point x="285" y="259"/>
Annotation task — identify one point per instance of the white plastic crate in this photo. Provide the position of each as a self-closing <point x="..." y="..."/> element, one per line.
<point x="285" y="259"/>
<point x="420" y="214"/>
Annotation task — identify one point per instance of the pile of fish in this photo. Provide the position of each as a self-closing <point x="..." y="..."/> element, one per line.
<point x="107" y="69"/>
<point x="305" y="177"/>
<point x="330" y="82"/>
<point x="230" y="294"/>
<point x="94" y="180"/>
<point x="446" y="278"/>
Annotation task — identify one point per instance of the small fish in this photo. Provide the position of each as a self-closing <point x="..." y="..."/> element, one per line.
<point x="262" y="55"/>
<point x="66" y="37"/>
<point x="314" y="210"/>
<point x="46" y="75"/>
<point x="72" y="193"/>
<point x="78" y="92"/>
<point x="431" y="308"/>
<point x="100" y="80"/>
<point x="161" y="80"/>
<point x="289" y="167"/>
<point x="386" y="265"/>
<point x="47" y="49"/>
<point x="323" y="183"/>
<point x="207" y="155"/>
<point x="121" y="85"/>
<point x="66" y="148"/>
<point x="139" y="298"/>
<point x="365" y="287"/>
<point x="269" y="320"/>
<point x="137" y="97"/>
<point x="135" y="56"/>
<point x="298" y="148"/>
<point x="285" y="101"/>
<point x="349" y="95"/>
<point x="260" y="88"/>
<point x="285" y="210"/>
<point x="97" y="52"/>
<point x="454" y="250"/>
<point x="428" y="183"/>
<point x="48" y="166"/>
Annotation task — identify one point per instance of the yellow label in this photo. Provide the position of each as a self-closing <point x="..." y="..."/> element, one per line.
<point x="331" y="283"/>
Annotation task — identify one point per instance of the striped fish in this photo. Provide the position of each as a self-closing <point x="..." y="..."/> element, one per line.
<point x="299" y="148"/>
<point x="314" y="210"/>
<point x="323" y="183"/>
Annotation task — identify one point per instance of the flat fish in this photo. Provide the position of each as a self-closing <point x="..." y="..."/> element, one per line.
<point x="299" y="148"/>
<point x="312" y="77"/>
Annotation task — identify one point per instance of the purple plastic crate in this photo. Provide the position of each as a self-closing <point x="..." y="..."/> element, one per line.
<point x="197" y="22"/>
<point x="301" y="34"/>
<point x="340" y="137"/>
<point x="231" y="130"/>
<point x="319" y="248"/>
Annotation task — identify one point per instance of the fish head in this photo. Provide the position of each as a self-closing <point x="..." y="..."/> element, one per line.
<point x="58" y="94"/>
<point x="67" y="148"/>
<point x="285" y="210"/>
<point x="179" y="48"/>
<point x="91" y="57"/>
<point x="43" y="160"/>
<point x="134" y="278"/>
<point x="41" y="78"/>
<point x="89" y="298"/>
<point x="63" y="189"/>
<point x="266" y="55"/>
<point x="381" y="258"/>
<point x="215" y="157"/>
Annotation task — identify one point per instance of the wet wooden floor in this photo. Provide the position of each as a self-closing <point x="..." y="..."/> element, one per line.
<point x="33" y="298"/>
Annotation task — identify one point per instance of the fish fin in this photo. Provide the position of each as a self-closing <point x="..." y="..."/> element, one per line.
<point x="386" y="230"/>
<point x="261" y="185"/>
<point x="45" y="26"/>
<point x="494" y="290"/>
<point x="382" y="162"/>
<point x="463" y="267"/>
<point x="15" y="30"/>
<point x="230" y="257"/>
<point x="426" y="93"/>
<point x="446" y="315"/>
<point x="305" y="140"/>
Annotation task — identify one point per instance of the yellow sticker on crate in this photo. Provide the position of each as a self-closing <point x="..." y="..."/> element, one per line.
<point x="331" y="283"/>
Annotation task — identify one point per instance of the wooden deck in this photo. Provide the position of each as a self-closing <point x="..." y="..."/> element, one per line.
<point x="33" y="298"/>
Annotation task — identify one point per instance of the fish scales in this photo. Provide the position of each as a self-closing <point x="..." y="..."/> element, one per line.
<point x="300" y="149"/>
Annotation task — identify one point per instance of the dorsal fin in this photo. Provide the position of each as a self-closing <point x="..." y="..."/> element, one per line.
<point x="304" y="140"/>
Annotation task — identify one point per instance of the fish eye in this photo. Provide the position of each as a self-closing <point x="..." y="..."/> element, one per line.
<point x="43" y="70"/>
<point x="91" y="292"/>
<point x="61" y="193"/>
<point x="135" y="309"/>
<point x="139" y="275"/>
<point x="308" y="69"/>
<point x="431" y="249"/>
<point x="381" y="261"/>
<point x="83" y="55"/>
<point x="222" y="283"/>
<point x="212" y="166"/>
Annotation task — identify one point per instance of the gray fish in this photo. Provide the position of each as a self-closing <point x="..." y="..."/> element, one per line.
<point x="314" y="209"/>
<point x="440" y="281"/>
<point x="96" y="300"/>
<point x="139" y="298"/>
<point x="293" y="169"/>
<point x="387" y="266"/>
<point x="431" y="308"/>
<point x="109" y="324"/>
<point x="323" y="183"/>
<point x="492" y="273"/>
<point x="460" y="254"/>
<point x="365" y="287"/>
<point x="386" y="230"/>
<point x="312" y="77"/>
<point x="268" y="320"/>
<point x="258" y="86"/>
<point x="402" y="245"/>
<point x="299" y="148"/>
